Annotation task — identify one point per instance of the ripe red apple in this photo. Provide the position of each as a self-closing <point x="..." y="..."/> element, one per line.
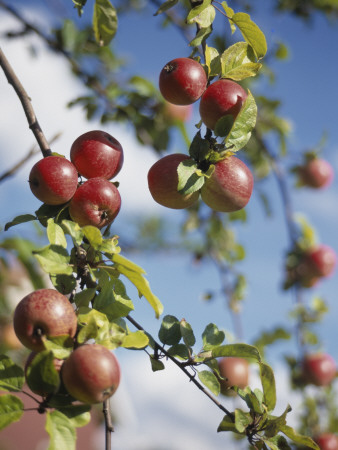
<point x="316" y="173"/>
<point x="53" y="180"/>
<point x="96" y="202"/>
<point x="235" y="372"/>
<point x="97" y="154"/>
<point x="319" y="261"/>
<point x="221" y="98"/>
<point x="163" y="181"/>
<point x="230" y="186"/>
<point x="178" y="112"/>
<point x="43" y="313"/>
<point x="91" y="374"/>
<point x="319" y="369"/>
<point x="327" y="441"/>
<point x="182" y="81"/>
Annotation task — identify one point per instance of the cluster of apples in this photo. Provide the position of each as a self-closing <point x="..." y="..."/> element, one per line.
<point x="91" y="373"/>
<point x="183" y="81"/>
<point x="94" y="155"/>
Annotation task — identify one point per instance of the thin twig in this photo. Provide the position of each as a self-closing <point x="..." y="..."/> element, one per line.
<point x="108" y="424"/>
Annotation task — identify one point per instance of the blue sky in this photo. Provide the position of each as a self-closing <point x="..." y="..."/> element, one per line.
<point x="307" y="85"/>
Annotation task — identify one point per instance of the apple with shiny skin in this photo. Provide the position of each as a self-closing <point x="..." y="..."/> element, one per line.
<point x="43" y="313"/>
<point x="182" y="81"/>
<point x="97" y="154"/>
<point x="319" y="369"/>
<point x="235" y="372"/>
<point x="96" y="202"/>
<point x="229" y="187"/>
<point x="315" y="173"/>
<point x="221" y="98"/>
<point x="327" y="441"/>
<point x="53" y="180"/>
<point x="91" y="374"/>
<point x="163" y="182"/>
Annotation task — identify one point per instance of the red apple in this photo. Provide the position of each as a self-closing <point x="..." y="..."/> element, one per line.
<point x="221" y="98"/>
<point x="327" y="441"/>
<point x="96" y="202"/>
<point x="97" y="154"/>
<point x="230" y="186"/>
<point x="182" y="81"/>
<point x="43" y="313"/>
<point x="178" y="112"/>
<point x="235" y="372"/>
<point x="91" y="374"/>
<point x="53" y="180"/>
<point x="319" y="369"/>
<point x="163" y="181"/>
<point x="316" y="173"/>
<point x="320" y="261"/>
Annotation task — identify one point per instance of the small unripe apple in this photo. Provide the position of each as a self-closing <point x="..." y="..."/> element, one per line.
<point x="182" y="81"/>
<point x="97" y="154"/>
<point x="327" y="441"/>
<point x="315" y="173"/>
<point x="229" y="187"/>
<point x="43" y="313"/>
<point x="91" y="374"/>
<point x="96" y="202"/>
<point x="163" y="182"/>
<point x="235" y="372"/>
<point x="319" y="369"/>
<point x="53" y="180"/>
<point x="221" y="98"/>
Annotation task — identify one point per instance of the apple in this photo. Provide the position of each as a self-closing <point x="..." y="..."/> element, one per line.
<point x="53" y="180"/>
<point x="221" y="98"/>
<point x="327" y="441"/>
<point x="319" y="261"/>
<point x="96" y="202"/>
<point x="163" y="181"/>
<point x="97" y="154"/>
<point x="315" y="173"/>
<point x="43" y="313"/>
<point x="229" y="187"/>
<point x="91" y="374"/>
<point x="182" y="81"/>
<point x="319" y="369"/>
<point x="177" y="112"/>
<point x="235" y="372"/>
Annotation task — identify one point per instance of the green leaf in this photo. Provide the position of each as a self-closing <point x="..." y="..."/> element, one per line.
<point x="227" y="424"/>
<point x="156" y="364"/>
<point x="209" y="380"/>
<point x="74" y="230"/>
<point x="212" y="61"/>
<point x="165" y="6"/>
<point x="199" y="147"/>
<point x="274" y="424"/>
<point x="55" y="234"/>
<point x="298" y="438"/>
<point x="212" y="337"/>
<point x="61" y="431"/>
<point x="251" y="33"/>
<point x="238" y="62"/>
<point x="190" y="178"/>
<point x="170" y="331"/>
<point x="269" y="386"/>
<point x="252" y="399"/>
<point x="229" y="13"/>
<point x="41" y="375"/>
<point x="277" y="443"/>
<point x="60" y="346"/>
<point x="78" y="415"/>
<point x="240" y="132"/>
<point x="92" y="322"/>
<point x="20" y="219"/>
<point x="201" y="36"/>
<point x="104" y="21"/>
<point x="54" y="259"/>
<point x="64" y="283"/>
<point x="137" y="339"/>
<point x="187" y="333"/>
<point x="239" y="350"/>
<point x="180" y="351"/>
<point x="11" y="409"/>
<point x="11" y="375"/>
<point x="84" y="297"/>
<point x="134" y="274"/>
<point x="93" y="235"/>
<point x="203" y="14"/>
<point x="242" y="420"/>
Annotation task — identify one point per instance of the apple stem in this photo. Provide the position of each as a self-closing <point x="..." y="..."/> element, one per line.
<point x="26" y="104"/>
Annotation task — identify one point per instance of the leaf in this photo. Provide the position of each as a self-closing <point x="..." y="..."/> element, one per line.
<point x="60" y="346"/>
<point x="11" y="409"/>
<point x="212" y="337"/>
<point x="20" y="219"/>
<point x="55" y="234"/>
<point x="84" y="297"/>
<point x="229" y="13"/>
<point x="239" y="350"/>
<point x="251" y="33"/>
<point x="41" y="375"/>
<point x="93" y="235"/>
<point x="165" y="6"/>
<point x="212" y="61"/>
<point x="201" y="36"/>
<point x="227" y="424"/>
<point x="274" y="424"/>
<point x="210" y="381"/>
<point x="238" y="62"/>
<point x="199" y="147"/>
<point x="134" y="274"/>
<point x="252" y="399"/>
<point x="190" y="178"/>
<point x="61" y="431"/>
<point x="156" y="364"/>
<point x="187" y="333"/>
<point x="180" y="351"/>
<point x="242" y="420"/>
<point x="170" y="330"/>
<point x="269" y="386"/>
<point x="74" y="230"/>
<point x="298" y="438"/>
<point x="203" y="14"/>
<point x="54" y="259"/>
<point x="240" y="132"/>
<point x="78" y="415"/>
<point x="137" y="339"/>
<point x="104" y="21"/>
<point x="63" y="283"/>
<point x="11" y="375"/>
<point x="91" y="322"/>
